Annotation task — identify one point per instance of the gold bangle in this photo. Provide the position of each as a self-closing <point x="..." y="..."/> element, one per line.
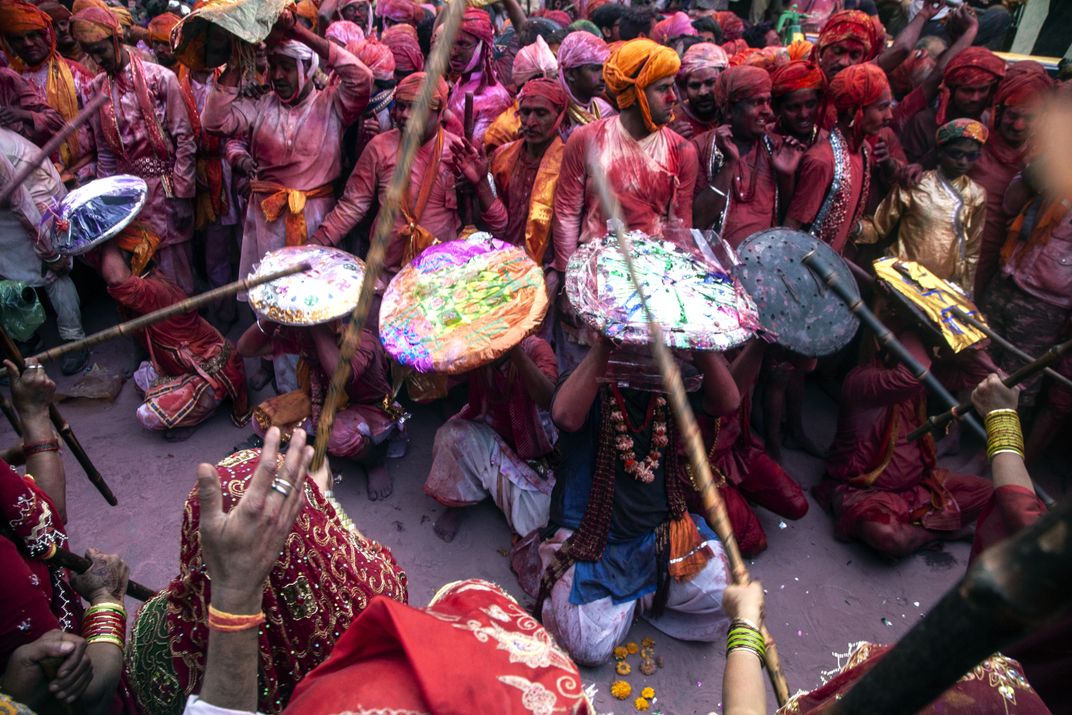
<point x="114" y="640"/>
<point x="107" y="606"/>
<point x="1001" y="411"/>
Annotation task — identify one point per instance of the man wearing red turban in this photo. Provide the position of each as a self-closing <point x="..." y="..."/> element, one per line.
<point x="471" y="70"/>
<point x="967" y="89"/>
<point x="832" y="181"/>
<point x="29" y="41"/>
<point x="797" y="94"/>
<point x="402" y="41"/>
<point x="697" y="111"/>
<point x="429" y="212"/>
<point x="1017" y="101"/>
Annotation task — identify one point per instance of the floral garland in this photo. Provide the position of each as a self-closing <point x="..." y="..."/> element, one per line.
<point x="644" y="470"/>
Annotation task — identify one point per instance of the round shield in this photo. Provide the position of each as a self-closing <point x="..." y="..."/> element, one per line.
<point x="462" y="304"/>
<point x="96" y="212"/>
<point x="794" y="304"/>
<point x="328" y="290"/>
<point x="698" y="307"/>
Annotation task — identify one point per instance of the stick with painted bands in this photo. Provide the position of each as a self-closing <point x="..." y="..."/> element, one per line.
<point x="183" y="306"/>
<point x="52" y="145"/>
<point x="1005" y="344"/>
<point x="411" y="141"/>
<point x="690" y="432"/>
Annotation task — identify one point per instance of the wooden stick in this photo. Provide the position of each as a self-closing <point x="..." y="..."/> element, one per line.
<point x="51" y="145"/>
<point x="1012" y="590"/>
<point x="80" y="564"/>
<point x="686" y="421"/>
<point x="411" y="141"/>
<point x="883" y="334"/>
<point x="965" y="409"/>
<point x="183" y="306"/>
<point x="469" y="212"/>
<point x="1002" y="342"/>
<point x="61" y="425"/>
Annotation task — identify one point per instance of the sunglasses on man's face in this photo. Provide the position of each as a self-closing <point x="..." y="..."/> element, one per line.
<point x="958" y="154"/>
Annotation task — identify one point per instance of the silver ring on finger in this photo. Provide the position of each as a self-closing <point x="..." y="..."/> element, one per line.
<point x="282" y="486"/>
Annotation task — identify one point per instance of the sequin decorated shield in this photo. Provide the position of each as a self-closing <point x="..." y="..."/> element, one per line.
<point x="328" y="290"/>
<point x="698" y="307"/>
<point x="462" y="304"/>
<point x="94" y="213"/>
<point x="795" y="306"/>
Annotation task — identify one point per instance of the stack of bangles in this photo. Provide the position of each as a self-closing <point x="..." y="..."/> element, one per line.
<point x="105" y="623"/>
<point x="744" y="635"/>
<point x="232" y="622"/>
<point x="1003" y="433"/>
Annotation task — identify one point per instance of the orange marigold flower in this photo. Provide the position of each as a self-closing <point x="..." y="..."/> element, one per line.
<point x="632" y="648"/>
<point x="620" y="653"/>
<point x="621" y="689"/>
<point x="641" y="704"/>
<point x="623" y="668"/>
<point x="648" y="642"/>
<point x="648" y="693"/>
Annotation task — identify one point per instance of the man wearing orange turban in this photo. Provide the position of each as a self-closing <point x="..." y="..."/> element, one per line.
<point x="429" y="211"/>
<point x="835" y="174"/>
<point x="144" y="129"/>
<point x="797" y="94"/>
<point x="29" y="41"/>
<point x="650" y="168"/>
<point x="160" y="28"/>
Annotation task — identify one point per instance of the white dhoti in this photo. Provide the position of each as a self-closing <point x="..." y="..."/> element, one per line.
<point x="590" y="631"/>
<point x="470" y="462"/>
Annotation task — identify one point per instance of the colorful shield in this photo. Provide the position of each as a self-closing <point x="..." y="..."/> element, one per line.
<point x="328" y="290"/>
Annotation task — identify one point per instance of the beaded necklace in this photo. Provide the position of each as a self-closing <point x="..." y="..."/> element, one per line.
<point x="655" y="418"/>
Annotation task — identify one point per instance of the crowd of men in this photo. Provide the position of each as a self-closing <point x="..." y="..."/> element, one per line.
<point x="924" y="145"/>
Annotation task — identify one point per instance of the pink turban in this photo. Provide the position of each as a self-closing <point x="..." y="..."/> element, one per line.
<point x="344" y="32"/>
<point x="702" y="56"/>
<point x="676" y="25"/>
<point x="535" y="60"/>
<point x="478" y="24"/>
<point x="582" y="48"/>
<point x="404" y="11"/>
<point x="402" y="40"/>
<point x="376" y="56"/>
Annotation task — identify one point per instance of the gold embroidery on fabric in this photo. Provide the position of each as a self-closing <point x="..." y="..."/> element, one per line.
<point x="299" y="598"/>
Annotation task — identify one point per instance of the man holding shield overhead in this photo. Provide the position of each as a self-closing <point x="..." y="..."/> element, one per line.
<point x="294" y="135"/>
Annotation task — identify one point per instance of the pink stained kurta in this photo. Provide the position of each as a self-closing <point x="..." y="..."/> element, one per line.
<point x="43" y="121"/>
<point x="297" y="146"/>
<point x="653" y="180"/>
<point x="370" y="179"/>
<point x="170" y="218"/>
<point x="752" y="207"/>
<point x="994" y="175"/>
<point x="38" y="79"/>
<point x="489" y="101"/>
<point x="814" y="175"/>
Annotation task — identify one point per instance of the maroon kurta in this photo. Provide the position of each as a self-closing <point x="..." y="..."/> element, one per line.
<point x="753" y="201"/>
<point x="994" y="172"/>
<point x="813" y="180"/>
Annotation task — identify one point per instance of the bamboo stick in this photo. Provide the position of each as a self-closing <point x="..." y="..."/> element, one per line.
<point x="690" y="431"/>
<point x="965" y="409"/>
<point x="883" y="334"/>
<point x="80" y="564"/>
<point x="51" y="145"/>
<point x="411" y="141"/>
<point x="183" y="306"/>
<point x="1002" y="342"/>
<point x="62" y="426"/>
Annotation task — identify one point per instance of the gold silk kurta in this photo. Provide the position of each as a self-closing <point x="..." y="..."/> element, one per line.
<point x="939" y="223"/>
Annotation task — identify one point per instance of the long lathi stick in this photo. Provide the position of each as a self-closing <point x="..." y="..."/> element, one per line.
<point x="411" y="141"/>
<point x="690" y="431"/>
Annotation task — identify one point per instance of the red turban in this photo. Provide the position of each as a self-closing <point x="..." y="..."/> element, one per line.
<point x="17" y="18"/>
<point x="739" y="83"/>
<point x="1023" y="83"/>
<point x="556" y="16"/>
<point x="676" y="25"/>
<point x="852" y="26"/>
<point x="160" y="27"/>
<point x="55" y="10"/>
<point x="408" y="89"/>
<point x="795" y="76"/>
<point x="376" y="56"/>
<point x="912" y="72"/>
<point x="732" y="26"/>
<point x="974" y="67"/>
<point x="733" y="47"/>
<point x="478" y="24"/>
<point x="546" y="91"/>
<point x="402" y="40"/>
<point x="702" y="56"/>
<point x="582" y="48"/>
<point x="766" y="58"/>
<point x="857" y="87"/>
<point x="404" y="11"/>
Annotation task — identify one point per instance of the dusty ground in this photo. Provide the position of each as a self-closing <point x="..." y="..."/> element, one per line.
<point x="822" y="595"/>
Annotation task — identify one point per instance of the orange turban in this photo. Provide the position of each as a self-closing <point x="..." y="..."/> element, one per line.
<point x="93" y="24"/>
<point x="633" y="67"/>
<point x="160" y="27"/>
<point x="307" y="9"/>
<point x="408" y="89"/>
<point x="17" y="18"/>
<point x="799" y="49"/>
<point x="80" y="5"/>
<point x="852" y="26"/>
<point x="732" y="26"/>
<point x="857" y="87"/>
<point x="795" y="76"/>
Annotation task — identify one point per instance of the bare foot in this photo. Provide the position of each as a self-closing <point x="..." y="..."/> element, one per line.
<point x="446" y="526"/>
<point x="322" y="476"/>
<point x="380" y="484"/>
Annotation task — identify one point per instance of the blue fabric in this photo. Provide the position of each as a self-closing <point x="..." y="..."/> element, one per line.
<point x="626" y="572"/>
